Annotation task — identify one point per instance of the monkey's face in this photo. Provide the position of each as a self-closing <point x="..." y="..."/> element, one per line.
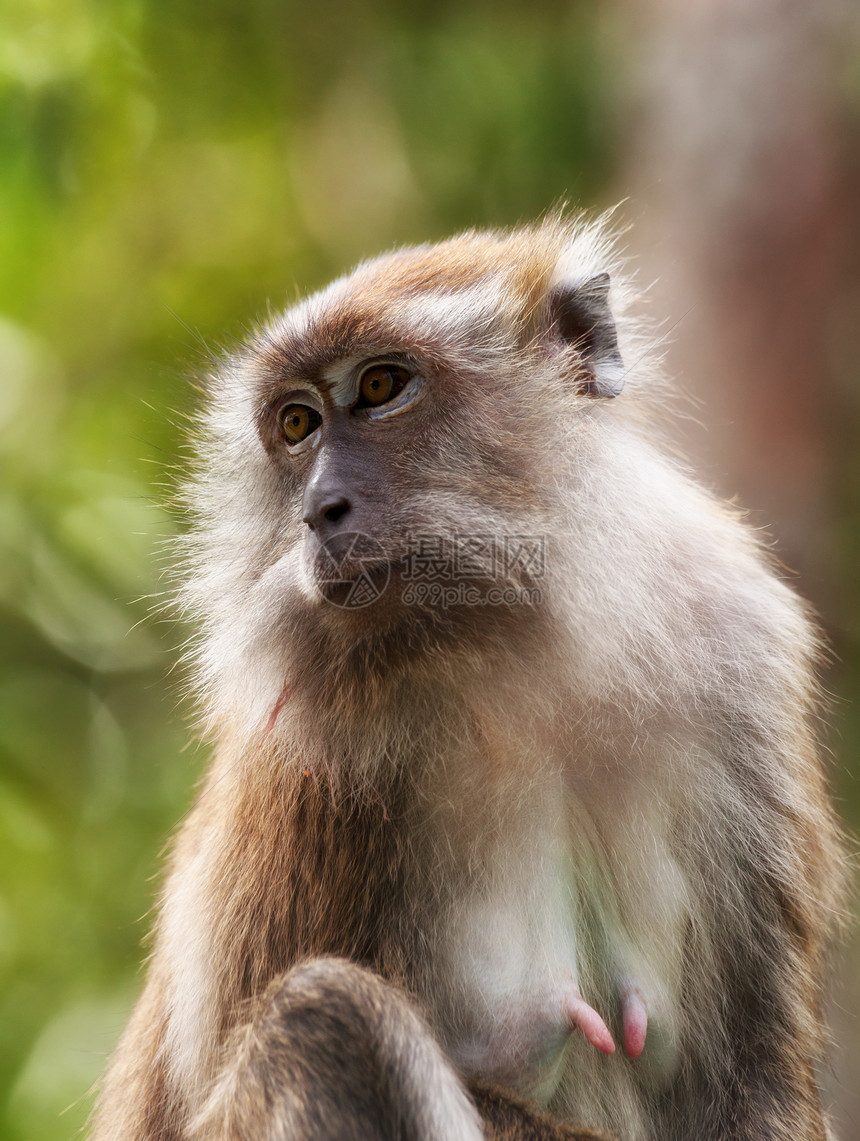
<point x="385" y="454"/>
<point x="396" y="465"/>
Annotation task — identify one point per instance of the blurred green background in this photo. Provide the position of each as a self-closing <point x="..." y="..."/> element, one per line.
<point x="171" y="171"/>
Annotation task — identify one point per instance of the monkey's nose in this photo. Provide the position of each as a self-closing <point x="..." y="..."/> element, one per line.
<point x="325" y="507"/>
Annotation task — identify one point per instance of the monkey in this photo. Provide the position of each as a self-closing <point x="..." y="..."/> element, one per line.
<point x="516" y="804"/>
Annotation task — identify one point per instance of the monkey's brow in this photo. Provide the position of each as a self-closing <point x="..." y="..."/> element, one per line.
<point x="339" y="334"/>
<point x="306" y="375"/>
<point x="289" y="361"/>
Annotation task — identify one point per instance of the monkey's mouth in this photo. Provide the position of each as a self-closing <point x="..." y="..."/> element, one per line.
<point x="354" y="583"/>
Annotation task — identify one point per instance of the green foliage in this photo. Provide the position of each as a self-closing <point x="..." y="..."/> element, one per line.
<point x="170" y="170"/>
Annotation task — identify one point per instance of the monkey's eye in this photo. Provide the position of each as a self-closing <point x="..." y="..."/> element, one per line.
<point x="380" y="383"/>
<point x="297" y="421"/>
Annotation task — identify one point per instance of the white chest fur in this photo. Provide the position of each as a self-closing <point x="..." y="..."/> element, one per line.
<point x="559" y="927"/>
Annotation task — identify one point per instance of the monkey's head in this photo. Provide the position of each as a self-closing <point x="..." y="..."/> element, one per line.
<point x="410" y="426"/>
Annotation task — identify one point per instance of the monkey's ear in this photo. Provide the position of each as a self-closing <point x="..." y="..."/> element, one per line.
<point x="580" y="316"/>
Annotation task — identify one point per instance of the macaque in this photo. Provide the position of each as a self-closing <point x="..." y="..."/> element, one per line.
<point x="515" y="806"/>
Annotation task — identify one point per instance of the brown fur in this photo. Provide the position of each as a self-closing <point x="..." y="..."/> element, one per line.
<point x="320" y="1058"/>
<point x="508" y="1118"/>
<point x="486" y="813"/>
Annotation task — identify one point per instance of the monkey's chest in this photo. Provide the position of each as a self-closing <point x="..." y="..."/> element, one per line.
<point x="516" y="1039"/>
<point x="506" y="979"/>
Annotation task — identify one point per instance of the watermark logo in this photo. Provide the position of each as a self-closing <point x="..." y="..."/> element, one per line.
<point x="440" y="571"/>
<point x="352" y="570"/>
<point x="442" y="558"/>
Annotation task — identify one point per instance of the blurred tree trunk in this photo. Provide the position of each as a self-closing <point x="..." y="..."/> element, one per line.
<point x="743" y="172"/>
<point x="745" y="187"/>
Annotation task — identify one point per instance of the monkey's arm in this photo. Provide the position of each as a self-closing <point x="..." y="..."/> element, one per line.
<point x="334" y="1052"/>
<point x="331" y="1052"/>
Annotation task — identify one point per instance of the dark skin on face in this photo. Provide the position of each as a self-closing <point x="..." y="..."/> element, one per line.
<point x="344" y="464"/>
<point x="348" y="467"/>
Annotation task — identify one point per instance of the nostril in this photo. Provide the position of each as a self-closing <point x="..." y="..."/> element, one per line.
<point x="336" y="511"/>
<point x="323" y="507"/>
